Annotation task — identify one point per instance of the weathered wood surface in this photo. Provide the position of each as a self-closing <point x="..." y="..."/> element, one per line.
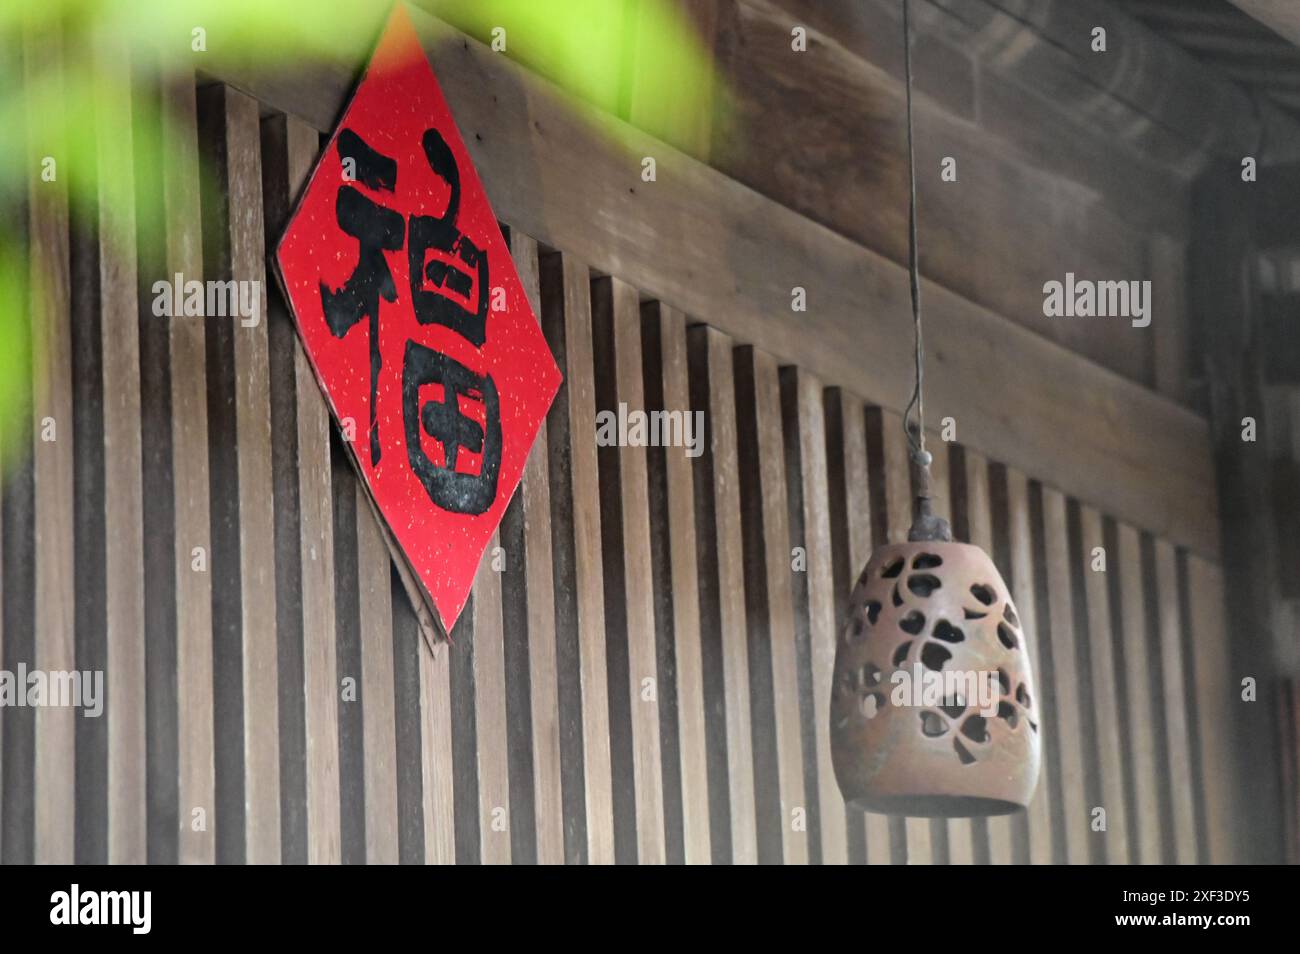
<point x="710" y="246"/>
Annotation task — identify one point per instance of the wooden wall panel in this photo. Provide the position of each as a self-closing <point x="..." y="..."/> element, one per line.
<point x="708" y="602"/>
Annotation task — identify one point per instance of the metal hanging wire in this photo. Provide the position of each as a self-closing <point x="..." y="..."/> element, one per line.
<point x="915" y="431"/>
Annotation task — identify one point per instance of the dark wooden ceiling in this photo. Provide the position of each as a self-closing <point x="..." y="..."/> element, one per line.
<point x="1232" y="41"/>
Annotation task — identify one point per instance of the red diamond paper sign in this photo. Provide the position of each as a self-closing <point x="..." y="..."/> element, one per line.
<point x="414" y="320"/>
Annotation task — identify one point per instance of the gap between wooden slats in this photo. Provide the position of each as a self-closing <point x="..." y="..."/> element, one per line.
<point x="90" y="781"/>
<point x="349" y="677"/>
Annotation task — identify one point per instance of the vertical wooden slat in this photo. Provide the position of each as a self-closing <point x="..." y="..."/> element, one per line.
<point x="348" y="662"/>
<point x="780" y="611"/>
<point x="490" y="713"/>
<point x="194" y="687"/>
<point x="1072" y="804"/>
<point x="684" y="582"/>
<point x="851" y="542"/>
<point x="53" y="465"/>
<point x="123" y="498"/>
<point x="809" y="423"/>
<point x="379" y="724"/>
<point x="1139" y="704"/>
<point x="1105" y="700"/>
<point x="638" y="582"/>
<point x="320" y="680"/>
<point x="256" y="517"/>
<point x="712" y="358"/>
<point x="1023" y="567"/>
<point x="1174" y="701"/>
<point x="864" y="532"/>
<point x="577" y="407"/>
<point x="544" y="691"/>
<point x="1217" y="694"/>
<point x="435" y="740"/>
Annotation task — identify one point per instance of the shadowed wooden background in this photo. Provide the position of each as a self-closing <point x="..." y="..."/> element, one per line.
<point x="536" y="736"/>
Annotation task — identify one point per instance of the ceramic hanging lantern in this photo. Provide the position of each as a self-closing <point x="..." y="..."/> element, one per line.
<point x="933" y="709"/>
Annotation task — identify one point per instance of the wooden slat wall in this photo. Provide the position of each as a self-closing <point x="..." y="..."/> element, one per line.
<point x="533" y="737"/>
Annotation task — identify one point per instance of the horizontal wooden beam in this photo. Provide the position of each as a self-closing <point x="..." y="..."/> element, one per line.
<point x="699" y="241"/>
<point x="1189" y="113"/>
<point x="1280" y="16"/>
